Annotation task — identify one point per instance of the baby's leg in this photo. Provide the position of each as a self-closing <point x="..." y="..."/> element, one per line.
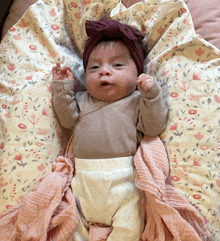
<point x="129" y="221"/>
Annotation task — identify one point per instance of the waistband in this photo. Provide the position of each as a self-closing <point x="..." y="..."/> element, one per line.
<point x="104" y="164"/>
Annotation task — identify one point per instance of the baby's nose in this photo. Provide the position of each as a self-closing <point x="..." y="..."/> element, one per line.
<point x="105" y="71"/>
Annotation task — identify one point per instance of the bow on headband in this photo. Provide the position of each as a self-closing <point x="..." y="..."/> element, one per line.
<point x="111" y="29"/>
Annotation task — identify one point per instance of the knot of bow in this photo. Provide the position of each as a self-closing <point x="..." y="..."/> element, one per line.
<point x="113" y="29"/>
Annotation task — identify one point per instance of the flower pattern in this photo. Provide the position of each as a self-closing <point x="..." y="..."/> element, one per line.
<point x="185" y="64"/>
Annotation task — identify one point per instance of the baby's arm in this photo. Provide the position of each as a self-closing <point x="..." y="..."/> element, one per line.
<point x="153" y="111"/>
<point x="64" y="101"/>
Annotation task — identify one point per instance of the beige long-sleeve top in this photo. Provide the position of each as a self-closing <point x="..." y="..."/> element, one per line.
<point x="109" y="129"/>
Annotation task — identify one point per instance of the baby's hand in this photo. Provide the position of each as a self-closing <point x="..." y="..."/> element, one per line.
<point x="61" y="73"/>
<point x="145" y="82"/>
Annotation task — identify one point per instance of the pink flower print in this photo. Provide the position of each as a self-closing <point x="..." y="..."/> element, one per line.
<point x="42" y="131"/>
<point x="22" y="126"/>
<point x="160" y="30"/>
<point x="143" y="29"/>
<point x="8" y="115"/>
<point x="197" y="196"/>
<point x="206" y="119"/>
<point x="218" y="183"/>
<point x="198" y="184"/>
<point x="165" y="72"/>
<point x="41" y="167"/>
<point x="2" y="89"/>
<point x="1" y="161"/>
<point x="34" y="120"/>
<point x="45" y="112"/>
<point x="184" y="86"/>
<point x="195" y="97"/>
<point x="175" y="47"/>
<point x="175" y="178"/>
<point x="33" y="47"/>
<point x="154" y="9"/>
<point x="217" y="98"/>
<point x="185" y="171"/>
<point x="15" y="101"/>
<point x="8" y="206"/>
<point x="50" y="88"/>
<point x="204" y="147"/>
<point x="192" y="112"/>
<point x="39" y="144"/>
<point x="84" y="2"/>
<point x="2" y="145"/>
<point x="73" y="4"/>
<point x="78" y="15"/>
<point x="199" y="51"/>
<point x="183" y="10"/>
<point x="18" y="157"/>
<point x="199" y="136"/>
<point x="187" y="22"/>
<point x="152" y="64"/>
<point x="24" y="24"/>
<point x="30" y="77"/>
<point x="174" y="95"/>
<point x="52" y="54"/>
<point x="196" y="76"/>
<point x="2" y="183"/>
<point x="17" y="37"/>
<point x="52" y="12"/>
<point x="197" y="162"/>
<point x="43" y="42"/>
<point x="55" y="27"/>
<point x="11" y="67"/>
<point x="12" y="29"/>
<point x="163" y="56"/>
<point x="174" y="127"/>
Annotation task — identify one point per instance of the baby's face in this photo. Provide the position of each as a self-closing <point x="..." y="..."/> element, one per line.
<point x="111" y="73"/>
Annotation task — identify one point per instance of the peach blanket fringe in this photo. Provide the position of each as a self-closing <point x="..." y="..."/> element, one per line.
<point x="49" y="211"/>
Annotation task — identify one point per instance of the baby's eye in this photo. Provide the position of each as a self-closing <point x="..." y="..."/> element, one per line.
<point x="94" y="67"/>
<point x="118" y="65"/>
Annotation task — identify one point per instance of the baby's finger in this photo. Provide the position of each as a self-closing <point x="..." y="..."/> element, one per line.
<point x="58" y="64"/>
<point x="69" y="74"/>
<point x="54" y="69"/>
<point x="138" y="82"/>
<point x="146" y="86"/>
<point x="67" y="68"/>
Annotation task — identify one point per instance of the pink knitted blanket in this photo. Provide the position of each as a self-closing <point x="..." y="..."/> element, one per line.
<point x="49" y="211"/>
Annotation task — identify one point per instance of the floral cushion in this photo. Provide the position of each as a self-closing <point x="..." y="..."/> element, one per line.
<point x="185" y="64"/>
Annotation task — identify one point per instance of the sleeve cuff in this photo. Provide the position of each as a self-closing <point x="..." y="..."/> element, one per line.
<point x="63" y="84"/>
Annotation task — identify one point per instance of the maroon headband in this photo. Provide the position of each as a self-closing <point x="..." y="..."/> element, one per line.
<point x="107" y="30"/>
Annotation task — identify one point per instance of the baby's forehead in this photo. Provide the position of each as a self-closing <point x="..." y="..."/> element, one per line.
<point x="113" y="48"/>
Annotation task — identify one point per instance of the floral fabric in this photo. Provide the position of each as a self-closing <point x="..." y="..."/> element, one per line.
<point x="185" y="64"/>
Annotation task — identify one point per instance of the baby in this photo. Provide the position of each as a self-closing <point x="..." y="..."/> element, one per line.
<point x="109" y="120"/>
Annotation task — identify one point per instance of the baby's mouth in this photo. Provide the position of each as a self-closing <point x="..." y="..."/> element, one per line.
<point x="104" y="83"/>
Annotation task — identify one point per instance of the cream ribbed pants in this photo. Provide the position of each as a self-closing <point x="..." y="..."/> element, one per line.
<point x="106" y="194"/>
